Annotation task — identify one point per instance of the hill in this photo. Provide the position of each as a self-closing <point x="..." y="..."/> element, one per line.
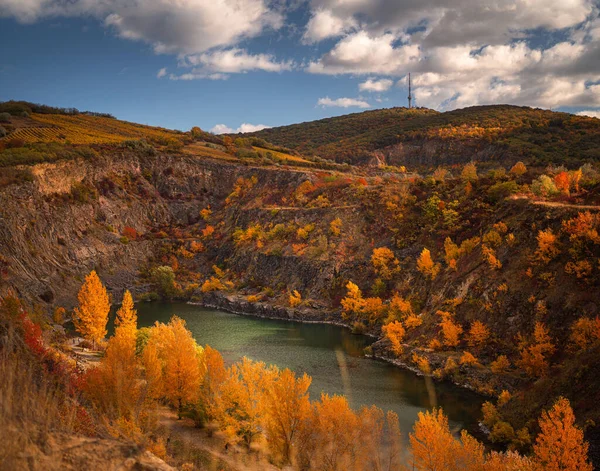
<point x="486" y="278"/>
<point x="399" y="136"/>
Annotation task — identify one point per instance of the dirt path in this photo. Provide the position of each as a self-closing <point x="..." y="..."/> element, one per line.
<point x="211" y="453"/>
<point x="556" y="204"/>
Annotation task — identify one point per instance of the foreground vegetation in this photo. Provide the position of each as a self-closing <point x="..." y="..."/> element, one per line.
<point x="255" y="405"/>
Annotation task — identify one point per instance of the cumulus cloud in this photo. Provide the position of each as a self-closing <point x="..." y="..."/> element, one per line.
<point x="343" y="103"/>
<point x="465" y="54"/>
<point x="590" y="113"/>
<point x="324" y="24"/>
<point x="372" y="85"/>
<point x="183" y="26"/>
<point x="218" y="64"/>
<point x="244" y="127"/>
<point x="161" y="73"/>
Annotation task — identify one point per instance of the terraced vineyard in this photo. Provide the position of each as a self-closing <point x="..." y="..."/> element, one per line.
<point x="84" y="129"/>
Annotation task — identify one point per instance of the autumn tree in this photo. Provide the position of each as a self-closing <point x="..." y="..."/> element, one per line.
<point x="426" y="265"/>
<point x="398" y="308"/>
<point x="287" y="407"/>
<point x="394" y="332"/>
<point x="242" y="395"/>
<point x="384" y="262"/>
<point x="518" y="169"/>
<point x="181" y="357"/>
<point x="500" y="365"/>
<point x="585" y="332"/>
<point x="450" y="330"/>
<point x="295" y="298"/>
<point x="91" y="316"/>
<point x="214" y="375"/>
<point x="335" y="227"/>
<point x="432" y="444"/>
<point x="547" y="246"/>
<point x="478" y="335"/>
<point x="469" y="172"/>
<point x="563" y="182"/>
<point x="353" y="302"/>
<point x="560" y="445"/>
<point x="535" y="355"/>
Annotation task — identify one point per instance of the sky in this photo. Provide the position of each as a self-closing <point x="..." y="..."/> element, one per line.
<point x="240" y="65"/>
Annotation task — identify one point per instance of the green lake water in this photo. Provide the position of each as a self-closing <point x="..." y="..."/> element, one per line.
<point x="331" y="355"/>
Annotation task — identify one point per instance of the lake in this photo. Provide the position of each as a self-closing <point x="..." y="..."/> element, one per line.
<point x="331" y="355"/>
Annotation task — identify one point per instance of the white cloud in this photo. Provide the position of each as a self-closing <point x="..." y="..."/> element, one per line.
<point x="244" y="127"/>
<point x="161" y="73"/>
<point x="216" y="65"/>
<point x="323" y="24"/>
<point x="343" y="103"/>
<point x="590" y="113"/>
<point x="372" y="85"/>
<point x="170" y="26"/>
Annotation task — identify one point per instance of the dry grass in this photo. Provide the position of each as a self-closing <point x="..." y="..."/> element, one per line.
<point x="31" y="403"/>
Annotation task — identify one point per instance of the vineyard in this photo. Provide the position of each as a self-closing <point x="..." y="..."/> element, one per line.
<point x="85" y="130"/>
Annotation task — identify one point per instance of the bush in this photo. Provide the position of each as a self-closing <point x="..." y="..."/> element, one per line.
<point x="24" y="114"/>
<point x="4" y="117"/>
<point x="502" y="190"/>
<point x="3" y="132"/>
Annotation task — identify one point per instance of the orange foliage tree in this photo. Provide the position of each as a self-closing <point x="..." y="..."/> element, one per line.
<point x="478" y="334"/>
<point x="384" y="262"/>
<point x="426" y="265"/>
<point x="394" y="332"/>
<point x="560" y="445"/>
<point x="91" y="316"/>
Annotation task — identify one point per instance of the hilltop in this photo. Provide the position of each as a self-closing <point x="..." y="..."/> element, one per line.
<point x="423" y="137"/>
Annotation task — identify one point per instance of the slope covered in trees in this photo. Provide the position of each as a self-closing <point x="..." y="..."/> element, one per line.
<point x="500" y="133"/>
<point x="484" y="273"/>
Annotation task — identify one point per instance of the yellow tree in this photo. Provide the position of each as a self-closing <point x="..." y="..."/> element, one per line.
<point x="433" y="446"/>
<point x="426" y="265"/>
<point x="91" y="316"/>
<point x="182" y="366"/>
<point x="214" y="375"/>
<point x="478" y="334"/>
<point x="353" y="302"/>
<point x="287" y="407"/>
<point x="394" y="332"/>
<point x="560" y="445"/>
<point x="384" y="262"/>
<point x="450" y="330"/>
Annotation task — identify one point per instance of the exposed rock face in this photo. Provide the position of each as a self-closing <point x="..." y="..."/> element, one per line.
<point x="69" y="219"/>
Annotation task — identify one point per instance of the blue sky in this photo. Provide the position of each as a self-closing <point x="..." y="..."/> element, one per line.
<point x="236" y="64"/>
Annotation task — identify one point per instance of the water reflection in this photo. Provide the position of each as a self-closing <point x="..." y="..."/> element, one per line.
<point x="331" y="355"/>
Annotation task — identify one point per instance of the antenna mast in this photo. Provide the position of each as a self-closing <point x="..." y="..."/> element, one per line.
<point x="409" y="92"/>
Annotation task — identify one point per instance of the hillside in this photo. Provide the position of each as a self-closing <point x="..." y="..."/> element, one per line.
<point x="422" y="137"/>
<point x="484" y="277"/>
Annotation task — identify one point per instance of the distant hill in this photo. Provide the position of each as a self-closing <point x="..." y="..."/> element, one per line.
<point x="425" y="137"/>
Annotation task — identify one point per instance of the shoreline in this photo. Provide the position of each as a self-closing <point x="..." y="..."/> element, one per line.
<point x="235" y="304"/>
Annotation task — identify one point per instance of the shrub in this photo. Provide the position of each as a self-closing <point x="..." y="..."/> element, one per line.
<point x="502" y="190"/>
<point x="4" y="117"/>
<point x="3" y="132"/>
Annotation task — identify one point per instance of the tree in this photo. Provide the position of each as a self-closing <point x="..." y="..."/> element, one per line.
<point x="353" y="302"/>
<point x="163" y="279"/>
<point x="214" y="375"/>
<point x="451" y="331"/>
<point x="384" y="262"/>
<point x="295" y="298"/>
<point x="547" y="246"/>
<point x="478" y="334"/>
<point x="469" y="172"/>
<point x="335" y="227"/>
<point x="426" y="265"/>
<point x="563" y="182"/>
<point x="181" y="364"/>
<point x="500" y="365"/>
<point x="534" y="357"/>
<point x="287" y="407"/>
<point x="126" y="315"/>
<point x="91" y="316"/>
<point x="560" y="445"/>
<point x="518" y="169"/>
<point x="433" y="446"/>
<point x="394" y="332"/>
<point x="585" y="332"/>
